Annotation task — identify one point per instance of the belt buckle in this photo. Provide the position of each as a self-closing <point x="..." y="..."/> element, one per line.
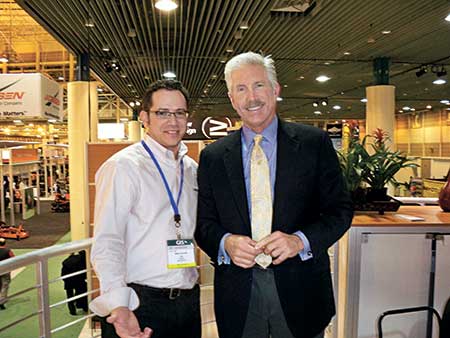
<point x="174" y="293"/>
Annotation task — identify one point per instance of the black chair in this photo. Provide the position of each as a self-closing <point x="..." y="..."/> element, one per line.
<point x="443" y="323"/>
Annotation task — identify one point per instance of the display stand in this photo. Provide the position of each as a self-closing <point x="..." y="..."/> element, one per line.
<point x="18" y="162"/>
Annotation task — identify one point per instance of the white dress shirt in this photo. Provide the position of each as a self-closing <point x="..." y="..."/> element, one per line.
<point x="134" y="219"/>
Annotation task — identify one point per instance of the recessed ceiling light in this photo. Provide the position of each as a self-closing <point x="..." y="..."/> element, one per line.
<point x="131" y="104"/>
<point x="279" y="99"/>
<point x="406" y="108"/>
<point x="123" y="119"/>
<point x="99" y="90"/>
<point x="439" y="82"/>
<point x="229" y="49"/>
<point x="429" y="107"/>
<point x="244" y="25"/>
<point x="138" y="103"/>
<point x="336" y="107"/>
<point x="166" y="5"/>
<point x="386" y="32"/>
<point x="447" y="18"/>
<point x="170" y="75"/>
<point x="347" y="53"/>
<point x="285" y="86"/>
<point x="61" y="78"/>
<point x="214" y="76"/>
<point x="400" y="111"/>
<point x="301" y="77"/>
<point x="17" y="121"/>
<point x="131" y="33"/>
<point x="327" y="63"/>
<point x="129" y="85"/>
<point x="445" y="101"/>
<point x="123" y="76"/>
<point x="323" y="78"/>
<point x="413" y="109"/>
<point x="89" y="23"/>
<point x="105" y="48"/>
<point x="364" y="100"/>
<point x="51" y="120"/>
<point x="318" y="112"/>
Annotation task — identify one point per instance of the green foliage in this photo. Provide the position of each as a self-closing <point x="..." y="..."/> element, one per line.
<point x="376" y="169"/>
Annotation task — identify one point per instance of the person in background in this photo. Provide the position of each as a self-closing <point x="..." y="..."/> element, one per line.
<point x="271" y="202"/>
<point x="75" y="285"/>
<point x="145" y="211"/>
<point x="5" y="279"/>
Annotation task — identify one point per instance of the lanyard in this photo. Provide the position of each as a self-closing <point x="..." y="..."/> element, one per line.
<point x="176" y="212"/>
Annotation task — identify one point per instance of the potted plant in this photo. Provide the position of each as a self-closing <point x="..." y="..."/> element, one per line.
<point x="367" y="172"/>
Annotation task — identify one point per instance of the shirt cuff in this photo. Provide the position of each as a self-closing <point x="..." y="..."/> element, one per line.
<point x="222" y="257"/>
<point x="306" y="253"/>
<point x="105" y="303"/>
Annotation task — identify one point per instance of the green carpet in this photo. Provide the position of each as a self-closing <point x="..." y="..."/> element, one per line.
<point x="26" y="303"/>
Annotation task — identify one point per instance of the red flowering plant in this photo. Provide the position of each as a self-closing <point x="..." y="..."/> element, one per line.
<point x="383" y="163"/>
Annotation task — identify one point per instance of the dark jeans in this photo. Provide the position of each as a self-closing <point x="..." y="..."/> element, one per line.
<point x="168" y="318"/>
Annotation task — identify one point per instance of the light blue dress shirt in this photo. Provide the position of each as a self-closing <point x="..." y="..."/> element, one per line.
<point x="269" y="146"/>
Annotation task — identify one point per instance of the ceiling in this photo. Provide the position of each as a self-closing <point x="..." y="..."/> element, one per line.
<point x="194" y="40"/>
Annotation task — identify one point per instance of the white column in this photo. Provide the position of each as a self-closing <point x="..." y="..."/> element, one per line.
<point x="134" y="131"/>
<point x="78" y="132"/>
<point x="94" y="111"/>
<point x="380" y="109"/>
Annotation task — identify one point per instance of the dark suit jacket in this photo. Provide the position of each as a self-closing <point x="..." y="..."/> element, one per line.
<point x="309" y="196"/>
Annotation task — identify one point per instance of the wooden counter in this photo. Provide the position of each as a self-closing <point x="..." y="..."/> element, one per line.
<point x="433" y="215"/>
<point x="385" y="262"/>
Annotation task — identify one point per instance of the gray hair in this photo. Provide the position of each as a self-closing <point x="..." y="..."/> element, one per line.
<point x="251" y="58"/>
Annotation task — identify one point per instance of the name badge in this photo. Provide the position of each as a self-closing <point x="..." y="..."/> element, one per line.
<point x="180" y="254"/>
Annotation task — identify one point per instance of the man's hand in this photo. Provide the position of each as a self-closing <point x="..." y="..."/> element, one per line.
<point x="241" y="250"/>
<point x="126" y="324"/>
<point x="280" y="246"/>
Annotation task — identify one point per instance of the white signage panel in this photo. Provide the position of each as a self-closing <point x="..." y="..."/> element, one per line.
<point x="29" y="95"/>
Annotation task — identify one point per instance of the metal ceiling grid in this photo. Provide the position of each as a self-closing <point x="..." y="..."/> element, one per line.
<point x="192" y="41"/>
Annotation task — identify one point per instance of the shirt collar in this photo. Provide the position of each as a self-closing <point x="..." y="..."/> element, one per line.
<point x="162" y="152"/>
<point x="269" y="134"/>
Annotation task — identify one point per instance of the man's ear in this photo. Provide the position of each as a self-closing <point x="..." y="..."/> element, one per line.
<point x="277" y="89"/>
<point x="144" y="117"/>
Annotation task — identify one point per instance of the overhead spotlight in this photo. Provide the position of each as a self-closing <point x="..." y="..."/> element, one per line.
<point x="323" y="78"/>
<point x="166" y="5"/>
<point x="105" y="48"/>
<point x="89" y="23"/>
<point x="324" y="102"/>
<point x="315" y="104"/>
<point x="107" y="66"/>
<point x="170" y="75"/>
<point x="116" y="67"/>
<point x="131" y="33"/>
<point x="138" y="103"/>
<point x="442" y="72"/>
<point x="131" y="104"/>
<point x="421" y="71"/>
<point x="244" y="25"/>
<point x="439" y="82"/>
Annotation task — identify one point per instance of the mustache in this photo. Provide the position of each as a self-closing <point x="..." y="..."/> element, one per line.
<point x="254" y="103"/>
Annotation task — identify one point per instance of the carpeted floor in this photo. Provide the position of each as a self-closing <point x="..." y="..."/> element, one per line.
<point x="45" y="229"/>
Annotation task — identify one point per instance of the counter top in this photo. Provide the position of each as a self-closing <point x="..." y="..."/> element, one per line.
<point x="432" y="215"/>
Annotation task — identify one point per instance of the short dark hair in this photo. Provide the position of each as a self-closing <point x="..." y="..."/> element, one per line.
<point x="162" y="84"/>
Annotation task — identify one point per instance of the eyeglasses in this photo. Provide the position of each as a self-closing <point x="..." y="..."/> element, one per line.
<point x="166" y="114"/>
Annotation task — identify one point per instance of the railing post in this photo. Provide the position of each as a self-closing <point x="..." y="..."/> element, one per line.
<point x="43" y="298"/>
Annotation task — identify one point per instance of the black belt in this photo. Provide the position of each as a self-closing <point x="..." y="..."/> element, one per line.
<point x="171" y="293"/>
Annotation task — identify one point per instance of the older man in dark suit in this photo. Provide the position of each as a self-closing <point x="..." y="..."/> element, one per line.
<point x="271" y="203"/>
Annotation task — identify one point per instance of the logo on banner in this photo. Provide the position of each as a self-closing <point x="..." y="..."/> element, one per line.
<point x="216" y="127"/>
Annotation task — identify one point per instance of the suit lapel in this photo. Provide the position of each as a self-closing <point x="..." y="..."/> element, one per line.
<point x="235" y="172"/>
<point x="288" y="151"/>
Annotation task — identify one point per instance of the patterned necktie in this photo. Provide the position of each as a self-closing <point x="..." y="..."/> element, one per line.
<point x="261" y="198"/>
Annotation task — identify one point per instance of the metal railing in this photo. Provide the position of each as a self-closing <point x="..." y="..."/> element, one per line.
<point x="40" y="258"/>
